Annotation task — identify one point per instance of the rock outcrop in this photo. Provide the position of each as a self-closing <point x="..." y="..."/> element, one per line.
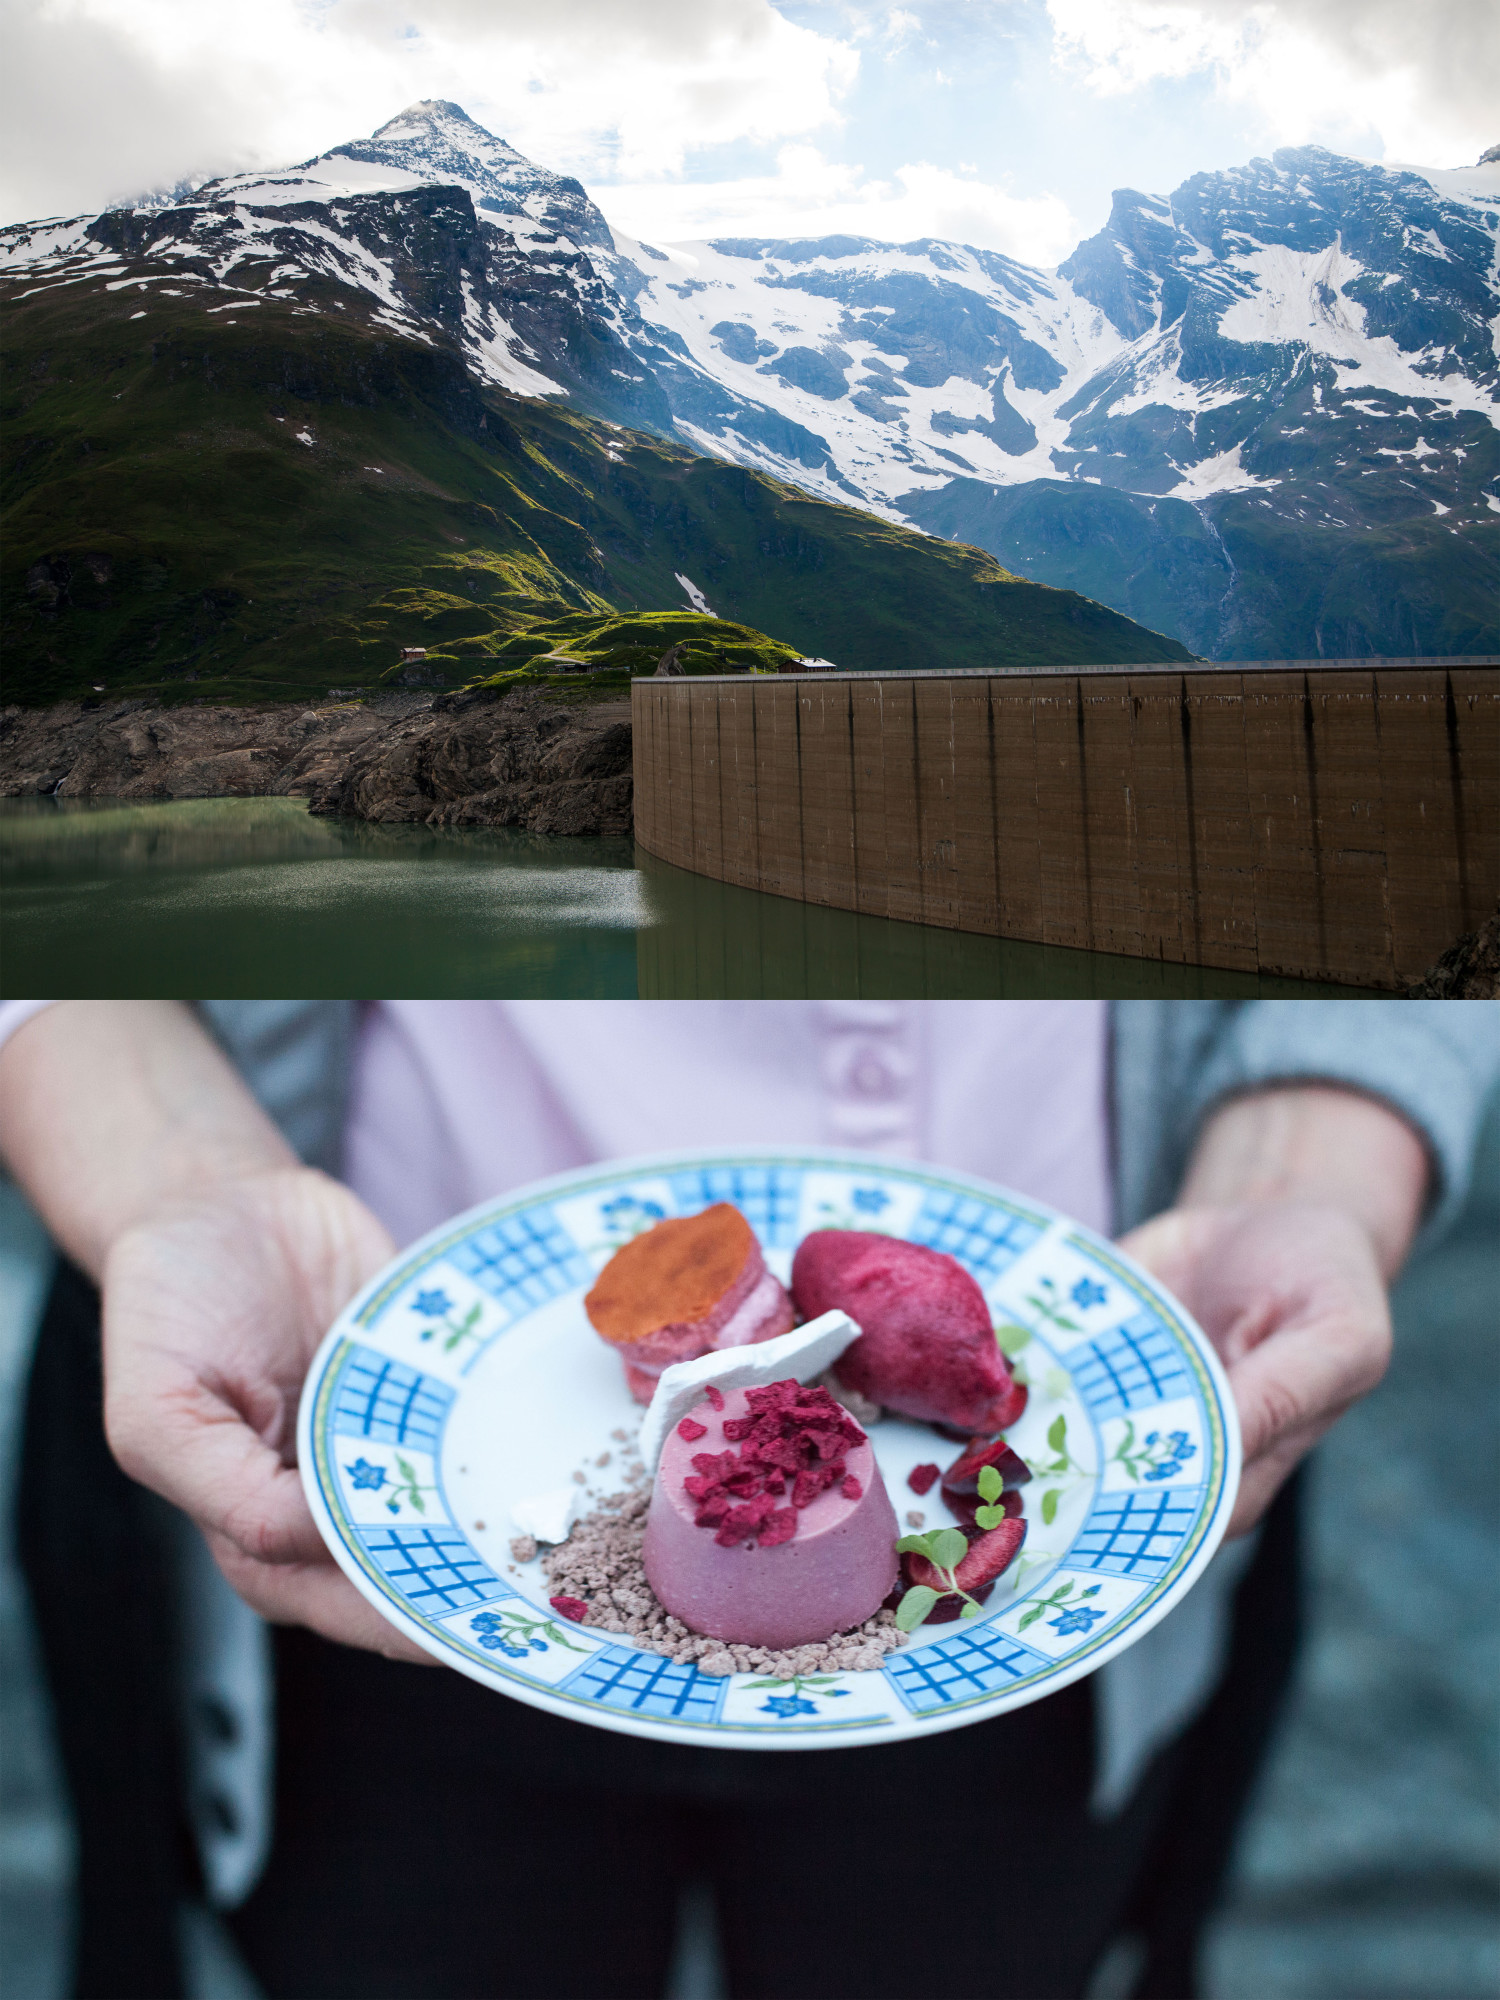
<point x="514" y="759"/>
<point x="1468" y="970"/>
<point x="486" y="760"/>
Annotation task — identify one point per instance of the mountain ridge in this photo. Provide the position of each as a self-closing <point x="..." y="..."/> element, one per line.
<point x="268" y="497"/>
<point x="1259" y="413"/>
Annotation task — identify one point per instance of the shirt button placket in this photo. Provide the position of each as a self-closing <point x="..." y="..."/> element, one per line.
<point x="869" y="1075"/>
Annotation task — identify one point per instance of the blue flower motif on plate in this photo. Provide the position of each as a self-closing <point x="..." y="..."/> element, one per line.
<point x="792" y="1701"/>
<point x="1077" y="1618"/>
<point x="1088" y="1293"/>
<point x="870" y="1200"/>
<point x="515" y="1633"/>
<point x="368" y="1478"/>
<point x="629" y="1206"/>
<point x="1171" y="1453"/>
<point x="495" y="1636"/>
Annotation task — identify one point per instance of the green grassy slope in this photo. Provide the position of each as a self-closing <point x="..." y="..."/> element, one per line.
<point x="266" y="502"/>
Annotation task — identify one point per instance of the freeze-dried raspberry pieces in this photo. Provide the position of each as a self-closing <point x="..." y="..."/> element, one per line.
<point x="741" y="1522"/>
<point x="922" y="1478"/>
<point x="791" y="1435"/>
<point x="570" y="1607"/>
<point x="780" y="1527"/>
<point x="690" y="1432"/>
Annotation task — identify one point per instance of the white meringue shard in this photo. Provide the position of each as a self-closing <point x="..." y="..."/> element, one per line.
<point x="549" y="1517"/>
<point x="801" y="1354"/>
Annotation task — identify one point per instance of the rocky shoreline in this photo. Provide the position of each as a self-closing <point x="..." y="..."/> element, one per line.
<point x="483" y="759"/>
<point x="1468" y="970"/>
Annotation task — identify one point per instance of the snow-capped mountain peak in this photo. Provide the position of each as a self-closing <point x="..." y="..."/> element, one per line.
<point x="1301" y="343"/>
<point x="436" y="141"/>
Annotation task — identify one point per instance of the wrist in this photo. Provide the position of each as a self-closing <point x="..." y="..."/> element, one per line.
<point x="112" y="1112"/>
<point x="1319" y="1146"/>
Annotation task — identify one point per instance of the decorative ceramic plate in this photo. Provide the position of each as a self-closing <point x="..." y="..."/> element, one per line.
<point x="466" y="1378"/>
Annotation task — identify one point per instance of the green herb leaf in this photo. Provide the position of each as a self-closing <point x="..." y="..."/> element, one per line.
<point x="970" y="1610"/>
<point x="991" y="1485"/>
<point x="1057" y="1434"/>
<point x="917" y="1545"/>
<point x="1012" y="1338"/>
<point x="1049" y="1505"/>
<point x="989" y="1517"/>
<point x="949" y="1547"/>
<point x="914" y="1607"/>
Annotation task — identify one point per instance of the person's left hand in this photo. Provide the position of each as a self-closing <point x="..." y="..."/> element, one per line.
<point x="1292" y="1297"/>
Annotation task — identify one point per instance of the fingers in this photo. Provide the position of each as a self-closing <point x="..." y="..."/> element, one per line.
<point x="187" y="1443"/>
<point x="211" y="1315"/>
<point x="316" y="1594"/>
<point x="1292" y="1299"/>
<point x="1291" y="1388"/>
<point x="1259" y="1485"/>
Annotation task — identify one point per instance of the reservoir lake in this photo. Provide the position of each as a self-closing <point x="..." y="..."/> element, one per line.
<point x="198" y="898"/>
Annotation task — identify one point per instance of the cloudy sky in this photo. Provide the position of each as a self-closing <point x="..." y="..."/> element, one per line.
<point x="1000" y="122"/>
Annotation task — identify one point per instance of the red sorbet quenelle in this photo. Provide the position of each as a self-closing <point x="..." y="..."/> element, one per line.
<point x="927" y="1347"/>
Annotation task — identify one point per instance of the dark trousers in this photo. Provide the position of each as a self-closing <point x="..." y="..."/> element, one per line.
<point x="435" y="1839"/>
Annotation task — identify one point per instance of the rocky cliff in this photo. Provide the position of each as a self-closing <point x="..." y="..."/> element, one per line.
<point x="517" y="759"/>
<point x="479" y="760"/>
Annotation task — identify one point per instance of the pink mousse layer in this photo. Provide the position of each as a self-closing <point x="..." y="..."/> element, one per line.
<point x="756" y="1307"/>
<point x="833" y="1574"/>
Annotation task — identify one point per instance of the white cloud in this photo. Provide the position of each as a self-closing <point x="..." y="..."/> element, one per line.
<point x="102" y="98"/>
<point x="1423" y="79"/>
<point x="812" y="196"/>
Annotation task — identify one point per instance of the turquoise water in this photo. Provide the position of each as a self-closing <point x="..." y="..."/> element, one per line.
<point x="225" y="897"/>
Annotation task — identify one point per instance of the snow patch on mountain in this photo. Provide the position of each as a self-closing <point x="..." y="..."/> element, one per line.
<point x="1223" y="473"/>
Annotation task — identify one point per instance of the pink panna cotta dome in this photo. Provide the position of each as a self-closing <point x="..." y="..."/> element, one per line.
<point x="830" y="1575"/>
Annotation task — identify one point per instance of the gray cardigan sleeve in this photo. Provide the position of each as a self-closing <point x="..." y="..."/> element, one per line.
<point x="1434" y="1062"/>
<point x="296" y="1057"/>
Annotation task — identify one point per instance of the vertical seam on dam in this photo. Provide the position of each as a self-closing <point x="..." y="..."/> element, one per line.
<point x="1456" y="787"/>
<point x="1314" y="814"/>
<point x="853" y="795"/>
<point x="1195" y="893"/>
<point x="1083" y="805"/>
<point x="989" y="730"/>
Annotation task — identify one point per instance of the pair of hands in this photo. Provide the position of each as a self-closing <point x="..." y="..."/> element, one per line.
<point x="215" y="1306"/>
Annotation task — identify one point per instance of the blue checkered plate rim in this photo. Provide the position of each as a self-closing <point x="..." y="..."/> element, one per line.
<point x="465" y="1377"/>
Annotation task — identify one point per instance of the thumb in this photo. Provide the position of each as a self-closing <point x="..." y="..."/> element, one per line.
<point x="195" y="1449"/>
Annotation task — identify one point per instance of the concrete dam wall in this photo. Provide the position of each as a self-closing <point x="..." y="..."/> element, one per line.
<point x="1314" y="820"/>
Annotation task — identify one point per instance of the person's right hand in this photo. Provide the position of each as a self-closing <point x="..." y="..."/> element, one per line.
<point x="213" y="1309"/>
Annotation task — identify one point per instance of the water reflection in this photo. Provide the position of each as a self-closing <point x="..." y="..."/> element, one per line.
<point x="711" y="940"/>
<point x="254" y="896"/>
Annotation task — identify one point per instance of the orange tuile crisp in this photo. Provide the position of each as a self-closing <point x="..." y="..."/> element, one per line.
<point x="672" y="1274"/>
